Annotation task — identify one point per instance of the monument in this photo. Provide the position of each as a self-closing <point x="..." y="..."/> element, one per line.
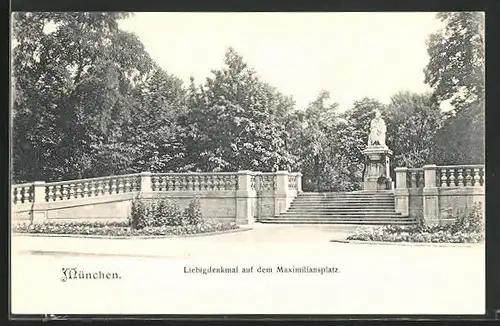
<point x="377" y="154"/>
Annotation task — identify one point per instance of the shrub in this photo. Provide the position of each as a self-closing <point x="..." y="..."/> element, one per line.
<point x="169" y="213"/>
<point x="159" y="212"/>
<point x="139" y="212"/>
<point x="468" y="227"/>
<point x="192" y="213"/>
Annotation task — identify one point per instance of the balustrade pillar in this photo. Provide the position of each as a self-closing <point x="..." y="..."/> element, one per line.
<point x="281" y="202"/>
<point x="39" y="212"/>
<point x="430" y="195"/>
<point x="299" y="182"/>
<point x="146" y="185"/>
<point x="245" y="199"/>
<point x="402" y="193"/>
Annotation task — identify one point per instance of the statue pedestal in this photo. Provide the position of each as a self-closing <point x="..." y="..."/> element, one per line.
<point x="377" y="166"/>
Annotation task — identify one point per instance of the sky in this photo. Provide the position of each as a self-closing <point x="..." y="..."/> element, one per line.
<point x="351" y="55"/>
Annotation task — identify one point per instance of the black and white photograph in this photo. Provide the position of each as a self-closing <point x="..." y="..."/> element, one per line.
<point x="257" y="163"/>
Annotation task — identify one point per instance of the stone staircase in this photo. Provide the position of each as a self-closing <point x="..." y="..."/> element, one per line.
<point x="361" y="207"/>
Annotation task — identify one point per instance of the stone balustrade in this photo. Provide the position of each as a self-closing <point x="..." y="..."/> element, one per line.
<point x="194" y="181"/>
<point x="267" y="181"/>
<point x="415" y="177"/>
<point x="22" y="193"/>
<point x="94" y="187"/>
<point x="243" y="196"/>
<point x="460" y="176"/>
<point x="439" y="192"/>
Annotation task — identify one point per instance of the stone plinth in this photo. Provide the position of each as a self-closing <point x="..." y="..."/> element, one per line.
<point x="377" y="164"/>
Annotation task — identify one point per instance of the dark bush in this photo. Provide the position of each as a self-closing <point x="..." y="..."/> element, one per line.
<point x="192" y="213"/>
<point x="159" y="212"/>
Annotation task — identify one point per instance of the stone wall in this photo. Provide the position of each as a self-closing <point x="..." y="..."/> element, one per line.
<point x="439" y="193"/>
<point x="241" y="197"/>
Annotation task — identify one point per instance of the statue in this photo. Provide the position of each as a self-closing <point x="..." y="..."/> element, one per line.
<point x="377" y="131"/>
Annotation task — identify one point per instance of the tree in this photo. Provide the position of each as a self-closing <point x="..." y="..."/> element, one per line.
<point x="82" y="85"/>
<point x="233" y="121"/>
<point x="456" y="73"/>
<point x="456" y="67"/>
<point x="412" y="122"/>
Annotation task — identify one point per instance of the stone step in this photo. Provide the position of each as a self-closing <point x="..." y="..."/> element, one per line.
<point x="345" y="196"/>
<point x="350" y="193"/>
<point x="342" y="205"/>
<point x="340" y="221"/>
<point x="342" y="210"/>
<point x="342" y="215"/>
<point x="350" y="202"/>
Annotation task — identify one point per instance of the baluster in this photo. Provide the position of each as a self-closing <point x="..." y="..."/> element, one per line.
<point x="71" y="191"/>
<point x="58" y="193"/>
<point x="120" y="185"/>
<point x="106" y="188"/>
<point x="164" y="183"/>
<point x="196" y="183"/>
<point x="102" y="187"/>
<point x="189" y="183"/>
<point x="19" y="196"/>
<point x="477" y="178"/>
<point x="50" y="193"/>
<point x="113" y="186"/>
<point x="92" y="189"/>
<point x="444" y="178"/>
<point x="452" y="178"/>
<point x="222" y="183"/>
<point x="78" y="190"/>
<point x="210" y="182"/>
<point x="202" y="182"/>
<point x="128" y="185"/>
<point x="168" y="182"/>
<point x="234" y="182"/>
<point x="468" y="178"/>
<point x="85" y="193"/>
<point x="64" y="192"/>
<point x="460" y="178"/>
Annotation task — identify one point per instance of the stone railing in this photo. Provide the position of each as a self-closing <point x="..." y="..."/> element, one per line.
<point x="22" y="193"/>
<point x="94" y="187"/>
<point x="415" y="177"/>
<point x="242" y="195"/>
<point x="295" y="181"/>
<point x="267" y="181"/>
<point x="460" y="176"/>
<point x="439" y="192"/>
<point x="194" y="181"/>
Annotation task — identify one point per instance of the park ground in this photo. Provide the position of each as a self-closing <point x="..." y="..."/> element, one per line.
<point x="376" y="279"/>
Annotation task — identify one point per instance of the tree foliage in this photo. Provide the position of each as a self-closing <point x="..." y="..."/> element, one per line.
<point x="456" y="73"/>
<point x="81" y="91"/>
<point x="89" y="101"/>
<point x="235" y="120"/>
<point x="457" y="59"/>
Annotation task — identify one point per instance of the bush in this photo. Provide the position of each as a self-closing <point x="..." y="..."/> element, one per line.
<point x="468" y="227"/>
<point x="192" y="213"/>
<point x="159" y="212"/>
